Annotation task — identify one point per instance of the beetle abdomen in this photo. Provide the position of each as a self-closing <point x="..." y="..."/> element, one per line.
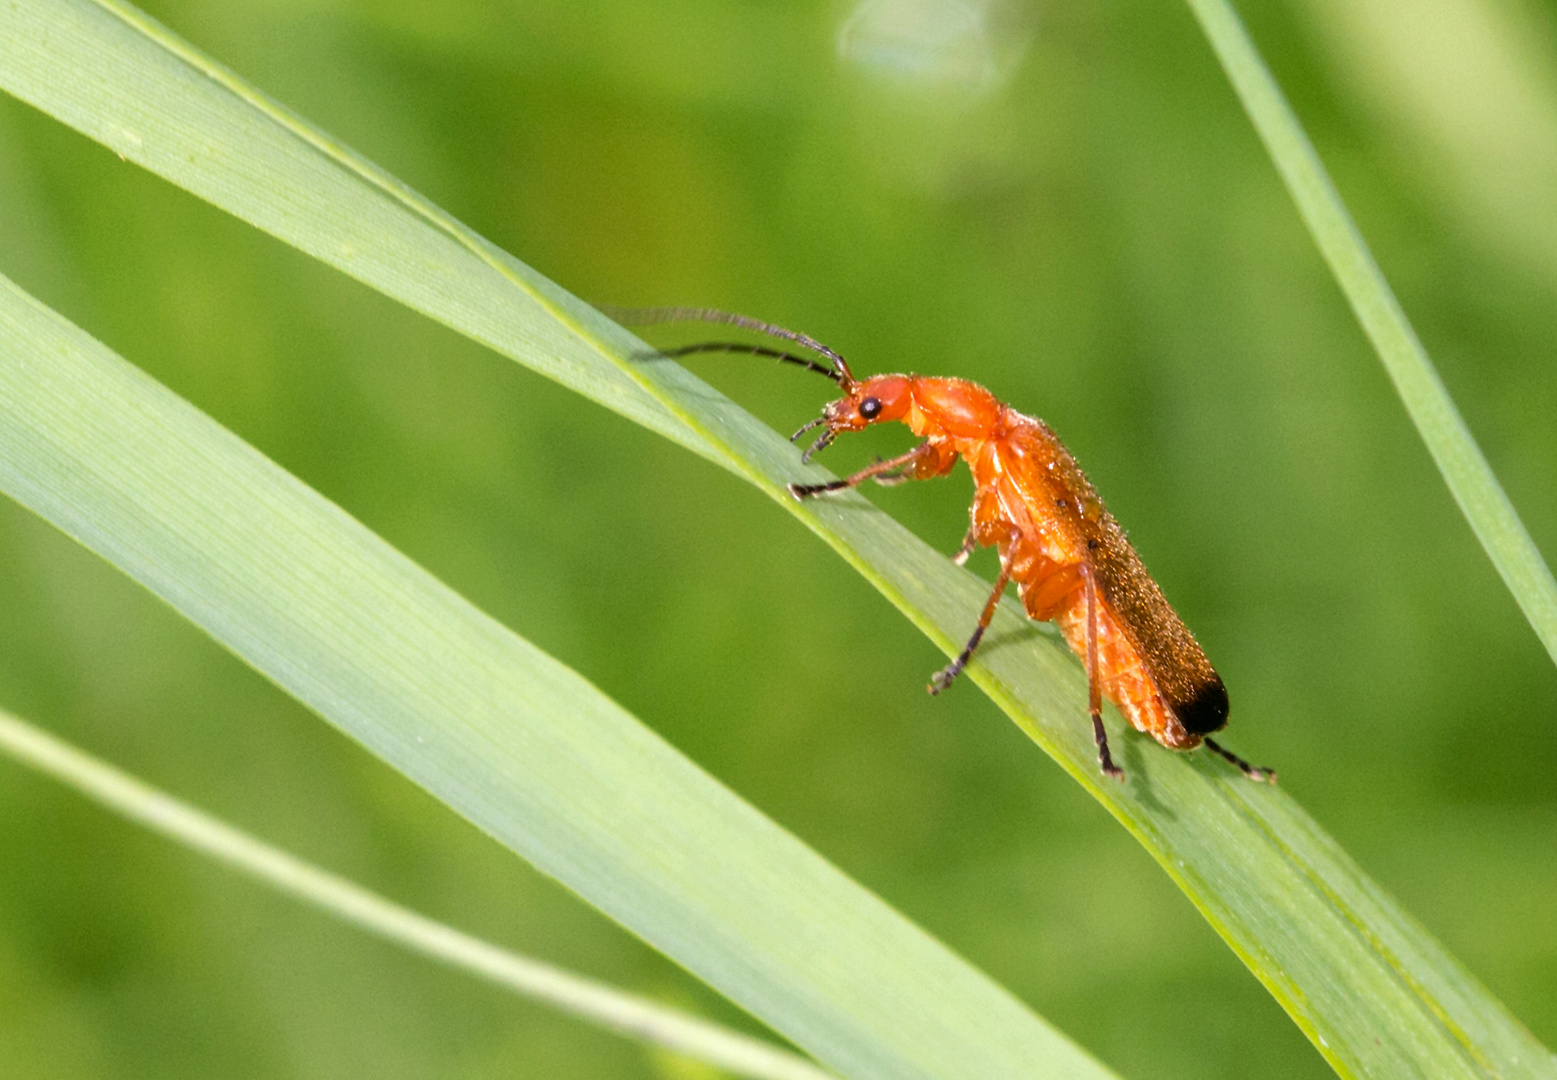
<point x="1205" y="711"/>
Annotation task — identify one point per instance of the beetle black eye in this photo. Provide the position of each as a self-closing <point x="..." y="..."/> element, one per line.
<point x="870" y="408"/>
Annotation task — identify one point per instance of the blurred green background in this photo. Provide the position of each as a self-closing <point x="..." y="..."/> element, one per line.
<point x="1062" y="201"/>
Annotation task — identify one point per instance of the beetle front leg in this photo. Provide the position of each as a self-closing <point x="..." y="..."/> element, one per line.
<point x="890" y="466"/>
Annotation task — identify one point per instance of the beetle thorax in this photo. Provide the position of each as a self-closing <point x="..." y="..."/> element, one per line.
<point x="952" y="408"/>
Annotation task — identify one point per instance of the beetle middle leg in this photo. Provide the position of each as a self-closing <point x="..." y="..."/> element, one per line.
<point x="969" y="542"/>
<point x="992" y="529"/>
<point x="944" y="678"/>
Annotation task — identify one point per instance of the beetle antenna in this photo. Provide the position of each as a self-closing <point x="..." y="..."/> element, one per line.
<point x="650" y="316"/>
<point x="756" y="350"/>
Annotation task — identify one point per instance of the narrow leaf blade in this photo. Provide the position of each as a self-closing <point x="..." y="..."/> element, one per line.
<point x="1475" y="487"/>
<point x="520" y="745"/>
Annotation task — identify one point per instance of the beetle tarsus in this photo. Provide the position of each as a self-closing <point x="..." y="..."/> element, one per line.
<point x="968" y="543"/>
<point x="1253" y="772"/>
<point x="943" y="678"/>
<point x="948" y="674"/>
<point x="1105" y="760"/>
<point x="806" y="491"/>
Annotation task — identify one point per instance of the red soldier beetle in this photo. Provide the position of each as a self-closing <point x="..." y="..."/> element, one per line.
<point x="1070" y="560"/>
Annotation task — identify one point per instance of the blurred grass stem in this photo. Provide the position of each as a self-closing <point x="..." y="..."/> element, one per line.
<point x="619" y="1011"/>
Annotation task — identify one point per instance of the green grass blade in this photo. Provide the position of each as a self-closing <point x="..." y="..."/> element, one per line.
<point x="1477" y="491"/>
<point x="607" y="1006"/>
<point x="1377" y="995"/>
<point x="519" y="744"/>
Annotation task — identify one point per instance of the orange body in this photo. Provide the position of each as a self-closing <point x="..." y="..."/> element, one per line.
<point x="1037" y="507"/>
<point x="1066" y="553"/>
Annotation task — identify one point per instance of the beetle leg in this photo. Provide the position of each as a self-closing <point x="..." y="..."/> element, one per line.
<point x="899" y="475"/>
<point x="1095" y="680"/>
<point x="1253" y="772"/>
<point x="943" y="678"/>
<point x="968" y="543"/>
<point x="899" y="463"/>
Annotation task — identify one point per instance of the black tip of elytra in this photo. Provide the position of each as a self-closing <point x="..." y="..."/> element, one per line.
<point x="1206" y="711"/>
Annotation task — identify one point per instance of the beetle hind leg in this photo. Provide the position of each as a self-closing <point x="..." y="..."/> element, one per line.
<point x="1253" y="772"/>
<point x="1105" y="760"/>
